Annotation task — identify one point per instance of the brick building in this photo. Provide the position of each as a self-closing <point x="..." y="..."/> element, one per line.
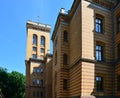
<point x="86" y="50"/>
<point x="38" y="46"/>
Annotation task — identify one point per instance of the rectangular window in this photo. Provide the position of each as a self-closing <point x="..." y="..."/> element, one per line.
<point x="38" y="81"/>
<point x="118" y="24"/>
<point x="34" y="49"/>
<point x="34" y="69"/>
<point x="38" y="94"/>
<point x="34" y="56"/>
<point x="98" y="25"/>
<point x="118" y="82"/>
<point x="41" y="94"/>
<point x="118" y="52"/>
<point x="42" y="50"/>
<point x="99" y="83"/>
<point x="65" y="84"/>
<point x="34" y="95"/>
<point x="55" y="57"/>
<point x="99" y="53"/>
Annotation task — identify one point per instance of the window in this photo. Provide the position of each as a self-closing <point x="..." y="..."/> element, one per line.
<point x="41" y="93"/>
<point x="99" y="53"/>
<point x="41" y="70"/>
<point x="34" y="69"/>
<point x="65" y="86"/>
<point x="43" y="40"/>
<point x="34" y="81"/>
<point x="65" y="36"/>
<point x="34" y="94"/>
<point x="118" y="52"/>
<point x="34" y="49"/>
<point x="98" y="25"/>
<point x="99" y="83"/>
<point x="34" y="56"/>
<point x="118" y="24"/>
<point x="41" y="82"/>
<point x="38" y="94"/>
<point x="37" y="81"/>
<point x="38" y="70"/>
<point x="65" y="59"/>
<point x="55" y="57"/>
<point x="34" y="39"/>
<point x="118" y="82"/>
<point x="42" y="50"/>
<point x="118" y="1"/>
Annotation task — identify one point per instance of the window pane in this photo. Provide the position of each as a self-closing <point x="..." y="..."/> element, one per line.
<point x="118" y="82"/>
<point x="43" y="40"/>
<point x="42" y="50"/>
<point x="118" y="51"/>
<point x="33" y="93"/>
<point x="99" y="53"/>
<point x="34" y="49"/>
<point x="34" y="81"/>
<point x="65" y="36"/>
<point x="98" y="25"/>
<point x="99" y="83"/>
<point x="65" y="59"/>
<point x="34" y="39"/>
<point x="118" y="23"/>
<point x="34" y="56"/>
<point x="65" y="84"/>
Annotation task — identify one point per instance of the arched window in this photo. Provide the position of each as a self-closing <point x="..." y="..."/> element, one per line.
<point x="65" y="59"/>
<point x="65" y="36"/>
<point x="43" y="40"/>
<point x="34" y="39"/>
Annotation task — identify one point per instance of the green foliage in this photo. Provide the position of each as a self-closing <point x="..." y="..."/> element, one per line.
<point x="12" y="84"/>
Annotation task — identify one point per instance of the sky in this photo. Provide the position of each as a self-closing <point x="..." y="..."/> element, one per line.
<point x="13" y="17"/>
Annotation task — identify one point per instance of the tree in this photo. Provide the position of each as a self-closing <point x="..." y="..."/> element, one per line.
<point x="12" y="84"/>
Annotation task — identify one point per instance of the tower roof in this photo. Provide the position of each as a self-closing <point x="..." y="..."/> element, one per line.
<point x="38" y="26"/>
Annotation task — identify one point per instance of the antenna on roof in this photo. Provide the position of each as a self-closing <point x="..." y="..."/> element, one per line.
<point x="38" y="19"/>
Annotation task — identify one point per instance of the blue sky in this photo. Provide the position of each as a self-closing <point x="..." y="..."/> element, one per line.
<point x="14" y="14"/>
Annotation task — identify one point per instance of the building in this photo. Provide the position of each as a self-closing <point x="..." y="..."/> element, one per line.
<point x="38" y="46"/>
<point x="48" y="82"/>
<point x="86" y="50"/>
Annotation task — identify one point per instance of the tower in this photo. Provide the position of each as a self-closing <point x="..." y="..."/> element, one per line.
<point x="38" y="45"/>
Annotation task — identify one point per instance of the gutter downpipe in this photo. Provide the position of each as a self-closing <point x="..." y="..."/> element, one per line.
<point x="113" y="53"/>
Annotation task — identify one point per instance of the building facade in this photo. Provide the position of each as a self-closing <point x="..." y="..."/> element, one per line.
<point x="38" y="45"/>
<point x="86" y="50"/>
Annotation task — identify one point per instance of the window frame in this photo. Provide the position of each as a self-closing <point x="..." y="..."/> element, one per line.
<point x="99" y="84"/>
<point x="118" y="24"/>
<point x="34" y="40"/>
<point x="35" y="49"/>
<point x="99" y="53"/>
<point x="65" y="36"/>
<point x="65" y="59"/>
<point x="34" y="56"/>
<point x="42" y="50"/>
<point x="118" y="82"/>
<point x="65" y="84"/>
<point x="42" y="40"/>
<point x="118" y="52"/>
<point x="99" y="25"/>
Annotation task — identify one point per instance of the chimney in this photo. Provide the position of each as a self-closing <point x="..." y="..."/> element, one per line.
<point x="62" y="10"/>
